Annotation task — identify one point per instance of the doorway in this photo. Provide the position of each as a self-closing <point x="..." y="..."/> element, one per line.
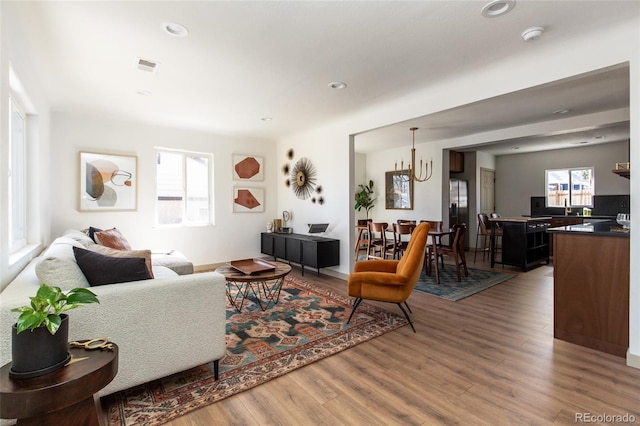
<point x="487" y="190"/>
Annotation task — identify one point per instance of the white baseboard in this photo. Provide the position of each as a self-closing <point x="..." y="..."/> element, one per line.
<point x="633" y="360"/>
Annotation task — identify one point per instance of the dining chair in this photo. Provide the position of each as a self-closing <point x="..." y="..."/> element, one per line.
<point x="434" y="225"/>
<point x="401" y="237"/>
<point x="455" y="250"/>
<point x="378" y="242"/>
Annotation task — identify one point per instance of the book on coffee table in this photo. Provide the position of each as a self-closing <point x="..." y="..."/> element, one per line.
<point x="252" y="266"/>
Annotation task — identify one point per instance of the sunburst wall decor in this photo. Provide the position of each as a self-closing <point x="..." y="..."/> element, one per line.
<point x="303" y="178"/>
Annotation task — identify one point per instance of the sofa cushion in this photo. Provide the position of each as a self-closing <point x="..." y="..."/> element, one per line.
<point x="112" y="238"/>
<point x="58" y="266"/>
<point x="107" y="251"/>
<point x="174" y="260"/>
<point x="100" y="269"/>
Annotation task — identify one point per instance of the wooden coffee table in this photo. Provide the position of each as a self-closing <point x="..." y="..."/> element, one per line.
<point x="265" y="286"/>
<point x="67" y="396"/>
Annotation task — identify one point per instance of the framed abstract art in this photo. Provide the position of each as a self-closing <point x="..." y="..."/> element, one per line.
<point x="248" y="200"/>
<point x="108" y="182"/>
<point x="248" y="167"/>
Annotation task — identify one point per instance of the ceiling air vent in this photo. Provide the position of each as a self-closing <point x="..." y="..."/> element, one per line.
<point x="146" y="65"/>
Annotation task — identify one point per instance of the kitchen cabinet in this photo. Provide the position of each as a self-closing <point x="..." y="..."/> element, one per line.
<point x="456" y="161"/>
<point x="305" y="250"/>
<point x="525" y="242"/>
<point x="591" y="286"/>
<point x="557" y="221"/>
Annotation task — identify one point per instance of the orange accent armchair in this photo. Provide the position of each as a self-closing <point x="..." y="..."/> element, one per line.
<point x="387" y="280"/>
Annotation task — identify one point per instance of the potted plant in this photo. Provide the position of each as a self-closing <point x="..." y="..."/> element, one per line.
<point x="39" y="337"/>
<point x="364" y="198"/>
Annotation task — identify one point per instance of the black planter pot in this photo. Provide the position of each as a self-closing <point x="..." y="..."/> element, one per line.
<point x="39" y="352"/>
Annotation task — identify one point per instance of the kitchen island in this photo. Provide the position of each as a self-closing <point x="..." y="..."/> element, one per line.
<point x="525" y="243"/>
<point x="591" y="285"/>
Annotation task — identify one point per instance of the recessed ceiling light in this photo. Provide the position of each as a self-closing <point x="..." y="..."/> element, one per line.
<point x="532" y="34"/>
<point x="562" y="111"/>
<point x="339" y="85"/>
<point x="497" y="8"/>
<point x="175" y="30"/>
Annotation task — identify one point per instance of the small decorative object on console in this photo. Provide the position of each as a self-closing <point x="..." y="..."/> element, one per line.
<point x="316" y="228"/>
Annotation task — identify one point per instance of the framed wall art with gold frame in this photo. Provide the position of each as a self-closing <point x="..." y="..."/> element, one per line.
<point x="398" y="194"/>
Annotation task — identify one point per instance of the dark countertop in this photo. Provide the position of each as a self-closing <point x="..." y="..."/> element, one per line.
<point x="575" y="216"/>
<point x="521" y="219"/>
<point x="609" y="229"/>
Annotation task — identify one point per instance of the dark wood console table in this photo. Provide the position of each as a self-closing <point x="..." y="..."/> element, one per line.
<point x="67" y="396"/>
<point x="305" y="250"/>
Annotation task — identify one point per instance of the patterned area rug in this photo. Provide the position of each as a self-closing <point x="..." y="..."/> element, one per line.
<point x="307" y="324"/>
<point x="450" y="289"/>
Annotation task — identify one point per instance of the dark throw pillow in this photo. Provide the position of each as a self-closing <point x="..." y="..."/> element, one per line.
<point x="92" y="232"/>
<point x="100" y="269"/>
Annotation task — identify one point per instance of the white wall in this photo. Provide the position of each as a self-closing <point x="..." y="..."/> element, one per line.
<point x="234" y="235"/>
<point x="12" y="54"/>
<point x="522" y="176"/>
<point x="329" y="152"/>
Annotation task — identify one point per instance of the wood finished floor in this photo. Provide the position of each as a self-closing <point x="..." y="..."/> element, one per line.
<point x="487" y="359"/>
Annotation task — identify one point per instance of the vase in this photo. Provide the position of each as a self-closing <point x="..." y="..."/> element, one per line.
<point x="37" y="352"/>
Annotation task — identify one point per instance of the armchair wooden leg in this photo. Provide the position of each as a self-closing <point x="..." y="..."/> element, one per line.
<point x="355" y="305"/>
<point x="407" y="316"/>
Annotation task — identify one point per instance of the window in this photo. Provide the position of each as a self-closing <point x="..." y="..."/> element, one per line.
<point x="570" y="187"/>
<point x="17" y="178"/>
<point x="183" y="186"/>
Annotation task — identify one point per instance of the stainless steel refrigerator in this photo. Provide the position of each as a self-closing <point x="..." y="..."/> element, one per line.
<point x="459" y="204"/>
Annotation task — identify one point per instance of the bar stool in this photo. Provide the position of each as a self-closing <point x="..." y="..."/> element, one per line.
<point x="362" y="238"/>
<point x="484" y="231"/>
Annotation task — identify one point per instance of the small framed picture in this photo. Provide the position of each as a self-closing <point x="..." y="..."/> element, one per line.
<point x="248" y="167"/>
<point x="108" y="182"/>
<point x="248" y="200"/>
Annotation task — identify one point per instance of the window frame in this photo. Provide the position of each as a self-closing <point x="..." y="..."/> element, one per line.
<point x="570" y="187"/>
<point x="185" y="222"/>
<point x="17" y="191"/>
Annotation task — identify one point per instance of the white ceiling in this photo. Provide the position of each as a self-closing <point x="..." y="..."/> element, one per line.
<point x="584" y="95"/>
<point x="246" y="60"/>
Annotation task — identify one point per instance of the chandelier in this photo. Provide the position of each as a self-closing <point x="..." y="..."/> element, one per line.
<point x="412" y="176"/>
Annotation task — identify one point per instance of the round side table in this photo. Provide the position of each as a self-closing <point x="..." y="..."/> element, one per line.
<point x="67" y="396"/>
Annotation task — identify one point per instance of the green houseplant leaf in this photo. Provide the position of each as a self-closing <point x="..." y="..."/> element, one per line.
<point x="47" y="305"/>
<point x="364" y="198"/>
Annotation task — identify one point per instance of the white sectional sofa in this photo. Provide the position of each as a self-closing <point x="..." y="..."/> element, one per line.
<point x="162" y="325"/>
